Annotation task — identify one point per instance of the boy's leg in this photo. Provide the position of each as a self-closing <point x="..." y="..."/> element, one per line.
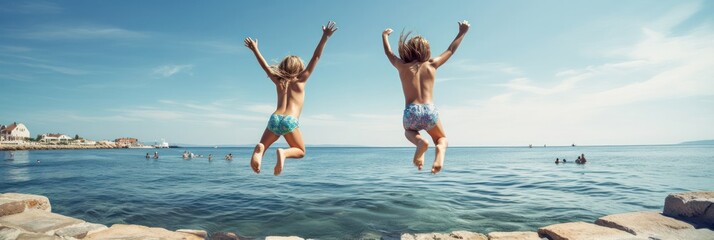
<point x="439" y="137"/>
<point x="296" y="150"/>
<point x="268" y="139"/>
<point x="422" y="145"/>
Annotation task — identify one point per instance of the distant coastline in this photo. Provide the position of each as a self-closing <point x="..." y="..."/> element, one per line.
<point x="700" y="142"/>
<point x="20" y="147"/>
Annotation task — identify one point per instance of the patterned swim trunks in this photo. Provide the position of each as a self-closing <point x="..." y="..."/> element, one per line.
<point x="282" y="124"/>
<point x="420" y="117"/>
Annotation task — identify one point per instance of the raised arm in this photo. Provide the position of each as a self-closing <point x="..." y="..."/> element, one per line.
<point x="387" y="49"/>
<point x="327" y="31"/>
<point x="441" y="59"/>
<point x="253" y="46"/>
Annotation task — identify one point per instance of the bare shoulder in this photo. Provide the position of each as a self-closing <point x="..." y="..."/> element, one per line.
<point x="273" y="78"/>
<point x="303" y="76"/>
<point x="401" y="65"/>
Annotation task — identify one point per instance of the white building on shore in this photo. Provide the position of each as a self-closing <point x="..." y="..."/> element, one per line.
<point x="54" y="138"/>
<point x="13" y="132"/>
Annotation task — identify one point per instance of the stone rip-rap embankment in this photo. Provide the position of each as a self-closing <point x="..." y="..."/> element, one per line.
<point x="685" y="216"/>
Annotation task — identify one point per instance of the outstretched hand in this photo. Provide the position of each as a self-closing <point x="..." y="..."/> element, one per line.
<point x="464" y="26"/>
<point x="250" y="43"/>
<point x="328" y="29"/>
<point x="387" y="31"/>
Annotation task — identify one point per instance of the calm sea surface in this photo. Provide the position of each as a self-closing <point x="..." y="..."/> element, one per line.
<point x="358" y="192"/>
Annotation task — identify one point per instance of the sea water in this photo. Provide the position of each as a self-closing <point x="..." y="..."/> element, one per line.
<point x="342" y="193"/>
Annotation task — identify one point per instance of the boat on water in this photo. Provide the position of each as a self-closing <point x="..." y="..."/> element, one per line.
<point x="163" y="144"/>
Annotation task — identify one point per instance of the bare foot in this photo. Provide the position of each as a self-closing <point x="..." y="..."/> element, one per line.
<point x="257" y="157"/>
<point x="436" y="168"/>
<point x="422" y="146"/>
<point x="280" y="162"/>
<point x="439" y="158"/>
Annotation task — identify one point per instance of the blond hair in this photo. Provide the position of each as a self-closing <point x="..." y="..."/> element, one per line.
<point x="414" y="49"/>
<point x="288" y="69"/>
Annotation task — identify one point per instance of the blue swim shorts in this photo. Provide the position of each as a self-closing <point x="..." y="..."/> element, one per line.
<point x="420" y="117"/>
<point x="282" y="124"/>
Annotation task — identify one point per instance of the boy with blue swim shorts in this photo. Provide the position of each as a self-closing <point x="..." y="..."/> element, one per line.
<point x="417" y="72"/>
<point x="289" y="77"/>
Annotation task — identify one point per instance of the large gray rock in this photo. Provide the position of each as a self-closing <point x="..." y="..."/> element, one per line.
<point x="38" y="221"/>
<point x="691" y="206"/>
<point x="80" y="230"/>
<point x="465" y="235"/>
<point x="583" y="231"/>
<point x="513" y="236"/>
<point x="10" y="206"/>
<point x="31" y="201"/>
<point x="646" y="224"/>
<point x="36" y="236"/>
<point x="123" y="231"/>
<point x="9" y="233"/>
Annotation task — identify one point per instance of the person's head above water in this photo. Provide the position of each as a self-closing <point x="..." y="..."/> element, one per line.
<point x="413" y="49"/>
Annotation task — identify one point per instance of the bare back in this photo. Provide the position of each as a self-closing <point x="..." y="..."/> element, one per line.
<point x="417" y="81"/>
<point x="290" y="102"/>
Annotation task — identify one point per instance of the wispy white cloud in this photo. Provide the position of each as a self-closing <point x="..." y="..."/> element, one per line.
<point x="494" y="67"/>
<point x="260" y="108"/>
<point x="377" y="117"/>
<point x="39" y="7"/>
<point x="111" y="118"/>
<point x="658" y="66"/>
<point x="16" y="77"/>
<point x="469" y="70"/>
<point x="58" y="32"/>
<point x="446" y="79"/>
<point x="220" y="46"/>
<point x="58" y="69"/>
<point x="152" y="113"/>
<point x="177" y="112"/>
<point x="602" y="103"/>
<point x="23" y="57"/>
<point x="676" y="16"/>
<point x="170" y="70"/>
<point x="14" y="49"/>
<point x="323" y="117"/>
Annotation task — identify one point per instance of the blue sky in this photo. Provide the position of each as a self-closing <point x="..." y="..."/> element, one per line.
<point x="528" y="72"/>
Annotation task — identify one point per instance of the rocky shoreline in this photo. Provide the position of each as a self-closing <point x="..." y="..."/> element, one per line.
<point x="687" y="215"/>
